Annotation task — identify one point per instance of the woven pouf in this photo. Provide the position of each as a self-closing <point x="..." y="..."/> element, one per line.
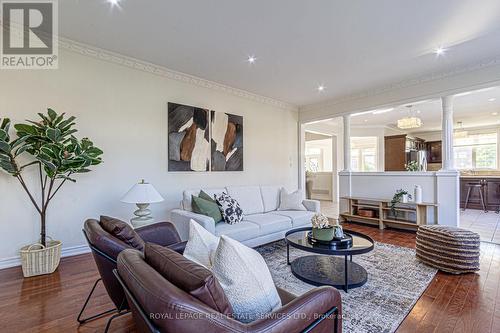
<point x="449" y="249"/>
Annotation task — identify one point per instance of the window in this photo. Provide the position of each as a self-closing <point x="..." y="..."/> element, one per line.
<point x="475" y="151"/>
<point x="364" y="153"/>
<point x="319" y="155"/>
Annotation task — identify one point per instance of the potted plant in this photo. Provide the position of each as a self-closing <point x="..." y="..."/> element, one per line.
<point x="400" y="196"/>
<point x="58" y="155"/>
<point x="321" y="228"/>
<point x="412" y="166"/>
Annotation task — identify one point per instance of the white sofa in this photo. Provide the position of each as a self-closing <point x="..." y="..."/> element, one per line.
<point x="262" y="222"/>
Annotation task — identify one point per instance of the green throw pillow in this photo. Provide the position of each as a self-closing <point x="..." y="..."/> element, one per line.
<point x="206" y="207"/>
<point x="206" y="196"/>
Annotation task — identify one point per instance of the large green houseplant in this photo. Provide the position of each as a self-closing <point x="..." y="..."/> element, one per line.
<point x="53" y="149"/>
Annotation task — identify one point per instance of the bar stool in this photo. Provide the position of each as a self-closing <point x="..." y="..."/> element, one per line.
<point x="470" y="188"/>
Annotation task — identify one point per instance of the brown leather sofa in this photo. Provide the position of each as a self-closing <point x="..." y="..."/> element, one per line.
<point x="106" y="246"/>
<point x="159" y="304"/>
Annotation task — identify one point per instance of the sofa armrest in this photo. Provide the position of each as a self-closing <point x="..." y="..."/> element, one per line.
<point x="312" y="205"/>
<point x="162" y="233"/>
<point x="323" y="303"/>
<point x="180" y="218"/>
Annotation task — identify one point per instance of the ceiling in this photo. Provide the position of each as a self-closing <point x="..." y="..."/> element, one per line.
<point x="347" y="46"/>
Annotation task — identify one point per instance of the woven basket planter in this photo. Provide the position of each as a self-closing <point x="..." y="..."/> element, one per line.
<point x="38" y="259"/>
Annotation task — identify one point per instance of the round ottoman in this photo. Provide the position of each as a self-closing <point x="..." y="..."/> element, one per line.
<point x="449" y="249"/>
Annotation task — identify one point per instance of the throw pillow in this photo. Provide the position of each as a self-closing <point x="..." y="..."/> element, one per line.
<point x="201" y="245"/>
<point x="246" y="280"/>
<point x="206" y="207"/>
<point x="291" y="201"/>
<point x="206" y="196"/>
<point x="230" y="208"/>
<point x="123" y="231"/>
<point x="185" y="274"/>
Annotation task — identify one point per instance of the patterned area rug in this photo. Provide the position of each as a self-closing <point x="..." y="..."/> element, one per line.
<point x="395" y="282"/>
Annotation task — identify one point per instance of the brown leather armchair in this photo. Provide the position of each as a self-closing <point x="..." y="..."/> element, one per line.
<point x="105" y="248"/>
<point x="160" y="306"/>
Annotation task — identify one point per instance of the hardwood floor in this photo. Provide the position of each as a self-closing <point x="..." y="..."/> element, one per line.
<point x="451" y="303"/>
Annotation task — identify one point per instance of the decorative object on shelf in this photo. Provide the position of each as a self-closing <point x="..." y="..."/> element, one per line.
<point x="58" y="155"/>
<point x="409" y="121"/>
<point x="142" y="194"/>
<point x="188" y="138"/>
<point x="401" y="196"/>
<point x="338" y="232"/>
<point x="227" y="141"/>
<point x="309" y="183"/>
<point x="366" y="212"/>
<point x="321" y="228"/>
<point x="412" y="166"/>
<point x="418" y="194"/>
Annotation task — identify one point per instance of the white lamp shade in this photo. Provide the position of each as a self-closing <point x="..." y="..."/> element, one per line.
<point x="142" y="193"/>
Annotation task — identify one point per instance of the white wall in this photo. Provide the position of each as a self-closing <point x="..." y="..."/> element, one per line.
<point x="124" y="111"/>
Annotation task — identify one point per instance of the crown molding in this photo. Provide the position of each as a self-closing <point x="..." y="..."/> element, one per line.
<point x="472" y="67"/>
<point x="144" y="66"/>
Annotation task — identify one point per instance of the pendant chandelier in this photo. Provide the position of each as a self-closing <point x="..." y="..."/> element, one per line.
<point x="409" y="121"/>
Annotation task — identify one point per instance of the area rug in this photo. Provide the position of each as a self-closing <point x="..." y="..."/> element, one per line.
<point x="396" y="280"/>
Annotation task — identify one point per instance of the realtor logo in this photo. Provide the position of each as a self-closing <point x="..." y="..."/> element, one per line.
<point x="29" y="34"/>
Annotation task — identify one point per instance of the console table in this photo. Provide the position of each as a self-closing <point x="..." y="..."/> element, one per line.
<point x="405" y="215"/>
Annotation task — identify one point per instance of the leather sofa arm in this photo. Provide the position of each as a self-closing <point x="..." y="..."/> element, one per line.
<point x="312" y="205"/>
<point x="178" y="247"/>
<point x="162" y="233"/>
<point x="304" y="311"/>
<point x="180" y="218"/>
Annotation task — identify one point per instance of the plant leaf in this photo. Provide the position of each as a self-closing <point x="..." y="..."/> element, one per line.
<point x="24" y="128"/>
<point x="54" y="134"/>
<point x="5" y="147"/>
<point x="52" y="114"/>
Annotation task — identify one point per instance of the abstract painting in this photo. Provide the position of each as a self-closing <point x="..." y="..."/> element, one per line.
<point x="227" y="142"/>
<point x="188" y="138"/>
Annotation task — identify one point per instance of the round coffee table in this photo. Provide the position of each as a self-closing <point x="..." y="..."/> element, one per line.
<point x="328" y="269"/>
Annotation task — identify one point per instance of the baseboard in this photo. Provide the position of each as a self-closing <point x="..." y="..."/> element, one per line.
<point x="65" y="252"/>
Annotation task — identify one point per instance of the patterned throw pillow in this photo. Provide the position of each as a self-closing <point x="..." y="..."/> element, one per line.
<point x="230" y="208"/>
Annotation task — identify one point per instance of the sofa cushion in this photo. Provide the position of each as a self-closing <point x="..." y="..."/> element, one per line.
<point x="270" y="223"/>
<point x="230" y="208"/>
<point x="123" y="231"/>
<point x="187" y="275"/>
<point x="299" y="217"/>
<point x="291" y="201"/>
<point x="206" y="207"/>
<point x="270" y="197"/>
<point x="186" y="196"/>
<point x="201" y="245"/>
<point x="241" y="231"/>
<point x="248" y="197"/>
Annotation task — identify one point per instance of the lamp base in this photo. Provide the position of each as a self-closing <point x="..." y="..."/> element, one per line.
<point x="143" y="216"/>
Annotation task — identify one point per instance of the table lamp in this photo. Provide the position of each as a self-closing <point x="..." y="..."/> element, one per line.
<point x="142" y="194"/>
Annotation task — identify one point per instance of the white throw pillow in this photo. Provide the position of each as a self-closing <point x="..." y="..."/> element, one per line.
<point x="246" y="280"/>
<point x="201" y="245"/>
<point x="291" y="201"/>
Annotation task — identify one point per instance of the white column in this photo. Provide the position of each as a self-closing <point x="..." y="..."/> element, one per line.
<point x="347" y="142"/>
<point x="447" y="133"/>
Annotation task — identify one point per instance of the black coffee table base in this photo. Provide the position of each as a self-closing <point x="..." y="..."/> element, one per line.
<point x="320" y="270"/>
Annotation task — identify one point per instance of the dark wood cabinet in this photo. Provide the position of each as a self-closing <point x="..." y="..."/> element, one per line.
<point x="395" y="152"/>
<point x="491" y="193"/>
<point x="434" y="149"/>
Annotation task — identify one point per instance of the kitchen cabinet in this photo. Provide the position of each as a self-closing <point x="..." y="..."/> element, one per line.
<point x="491" y="192"/>
<point x="434" y="149"/>
<point x="399" y="150"/>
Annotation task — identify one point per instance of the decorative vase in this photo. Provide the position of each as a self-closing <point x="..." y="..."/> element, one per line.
<point x="404" y="198"/>
<point x="325" y="234"/>
<point x="309" y="187"/>
<point x="37" y="259"/>
<point x="418" y="194"/>
<point x="338" y="232"/>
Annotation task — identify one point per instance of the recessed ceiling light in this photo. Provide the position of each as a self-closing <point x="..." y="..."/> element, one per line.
<point x="492" y="99"/>
<point x="251" y="59"/>
<point x="494" y="113"/>
<point x="439" y="51"/>
<point x="321" y="88"/>
<point x="366" y="120"/>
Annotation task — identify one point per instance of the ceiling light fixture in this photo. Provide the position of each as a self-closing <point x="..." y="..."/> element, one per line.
<point x="494" y="113"/>
<point x="251" y="59"/>
<point x="460" y="132"/>
<point x="409" y="121"/>
<point x="321" y="88"/>
<point x="492" y="99"/>
<point x="439" y="51"/>
<point x="113" y="2"/>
